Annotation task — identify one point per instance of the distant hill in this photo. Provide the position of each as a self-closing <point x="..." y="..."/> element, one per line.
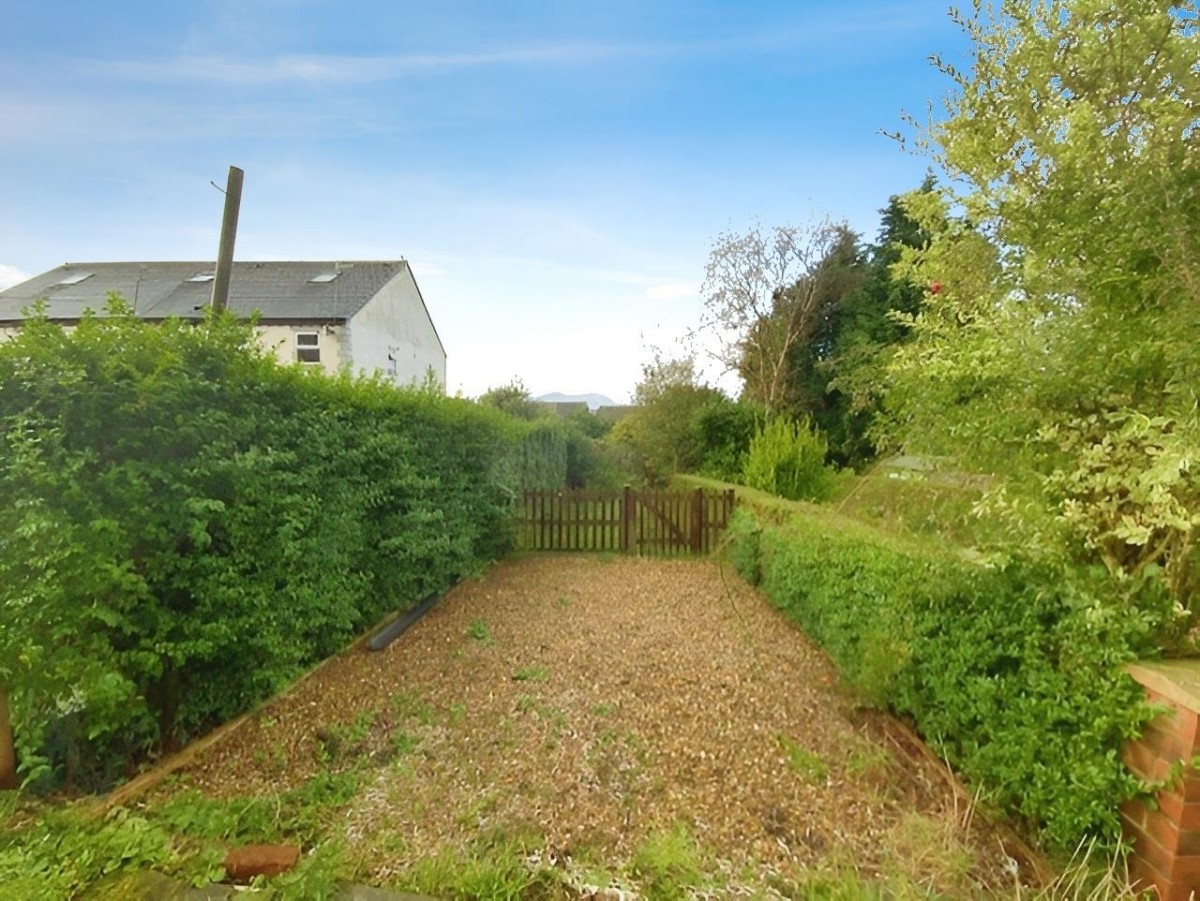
<point x="592" y="400"/>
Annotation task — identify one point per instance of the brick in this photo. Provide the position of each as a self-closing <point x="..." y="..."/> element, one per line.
<point x="1191" y="783"/>
<point x="1171" y="803"/>
<point x="1145" y="877"/>
<point x="1149" y="762"/>
<point x="1168" y="743"/>
<point x="1188" y="843"/>
<point x="1133" y="812"/>
<point x="1140" y="756"/>
<point x="243" y="864"/>
<point x="1186" y="871"/>
<point x="1164" y="830"/>
<point x="1149" y="850"/>
<point x="1186" y="726"/>
<point x="1176" y="892"/>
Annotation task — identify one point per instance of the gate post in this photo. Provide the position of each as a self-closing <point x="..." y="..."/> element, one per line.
<point x="698" y="521"/>
<point x="627" y="518"/>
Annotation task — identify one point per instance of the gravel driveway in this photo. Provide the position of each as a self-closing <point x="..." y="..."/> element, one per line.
<point x="594" y="700"/>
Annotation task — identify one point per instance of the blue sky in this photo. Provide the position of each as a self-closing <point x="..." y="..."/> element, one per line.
<point x="556" y="172"/>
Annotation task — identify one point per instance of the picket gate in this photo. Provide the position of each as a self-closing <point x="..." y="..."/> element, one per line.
<point x="647" y="522"/>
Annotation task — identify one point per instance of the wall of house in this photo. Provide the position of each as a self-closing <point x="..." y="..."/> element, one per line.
<point x="392" y="335"/>
<point x="332" y="342"/>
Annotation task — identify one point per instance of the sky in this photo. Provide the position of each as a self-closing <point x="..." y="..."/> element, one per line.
<point x="556" y="172"/>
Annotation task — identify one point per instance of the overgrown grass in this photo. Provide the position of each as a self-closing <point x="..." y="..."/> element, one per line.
<point x="53" y="852"/>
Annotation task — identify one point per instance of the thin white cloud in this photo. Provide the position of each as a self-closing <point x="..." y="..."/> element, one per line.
<point x="11" y="275"/>
<point x="352" y="69"/>
<point x="426" y="270"/>
<point x="813" y="31"/>
<point x="670" y="291"/>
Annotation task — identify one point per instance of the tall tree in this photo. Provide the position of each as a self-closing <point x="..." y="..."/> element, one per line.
<point x="763" y="296"/>
<point x="1061" y="341"/>
<point x="859" y="337"/>
<point x="661" y="430"/>
<point x="514" y="399"/>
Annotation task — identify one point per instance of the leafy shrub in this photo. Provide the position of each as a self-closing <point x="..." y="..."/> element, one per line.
<point x="543" y="455"/>
<point x="723" y="432"/>
<point x="743" y="537"/>
<point x="787" y="458"/>
<point x="1013" y="672"/>
<point x="187" y="525"/>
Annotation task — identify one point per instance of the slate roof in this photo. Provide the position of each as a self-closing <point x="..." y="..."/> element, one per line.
<point x="278" y="290"/>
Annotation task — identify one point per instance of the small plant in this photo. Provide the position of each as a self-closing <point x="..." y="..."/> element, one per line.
<point x="604" y="709"/>
<point x="404" y="743"/>
<point x="668" y="864"/>
<point x="868" y="760"/>
<point x="478" y="630"/>
<point x="804" y="762"/>
<point x="930" y="850"/>
<point x="358" y="730"/>
<point x="487" y="872"/>
<point x="344" y="739"/>
<point x="279" y="759"/>
<point x="531" y="674"/>
<point x="408" y="706"/>
<point x="788" y="459"/>
<point x="317" y="876"/>
<point x="479" y="811"/>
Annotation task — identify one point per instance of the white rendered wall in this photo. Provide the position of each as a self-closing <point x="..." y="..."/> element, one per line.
<point x="393" y="335"/>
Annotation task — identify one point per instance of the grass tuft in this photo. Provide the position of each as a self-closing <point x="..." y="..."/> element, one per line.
<point x="668" y="864"/>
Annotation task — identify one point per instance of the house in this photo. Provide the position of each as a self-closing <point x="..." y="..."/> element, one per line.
<point x="365" y="316"/>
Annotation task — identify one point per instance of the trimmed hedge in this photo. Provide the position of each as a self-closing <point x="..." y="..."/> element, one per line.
<point x="1014" y="673"/>
<point x="185" y="526"/>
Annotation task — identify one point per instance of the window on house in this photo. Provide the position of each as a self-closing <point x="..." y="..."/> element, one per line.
<point x="75" y="279"/>
<point x="308" y="347"/>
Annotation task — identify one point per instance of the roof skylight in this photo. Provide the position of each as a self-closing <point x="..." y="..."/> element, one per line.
<point x="324" y="278"/>
<point x="202" y="277"/>
<point x="75" y="278"/>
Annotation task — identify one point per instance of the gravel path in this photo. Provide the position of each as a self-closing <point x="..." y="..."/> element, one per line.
<point x="594" y="700"/>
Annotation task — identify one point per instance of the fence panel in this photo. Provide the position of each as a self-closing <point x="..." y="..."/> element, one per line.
<point x="650" y="522"/>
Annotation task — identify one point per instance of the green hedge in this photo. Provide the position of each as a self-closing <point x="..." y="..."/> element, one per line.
<point x="185" y="525"/>
<point x="1013" y="672"/>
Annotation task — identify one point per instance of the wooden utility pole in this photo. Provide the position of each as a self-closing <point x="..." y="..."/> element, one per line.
<point x="233" y="204"/>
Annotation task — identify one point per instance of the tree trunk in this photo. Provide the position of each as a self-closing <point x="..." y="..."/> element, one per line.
<point x="8" y="754"/>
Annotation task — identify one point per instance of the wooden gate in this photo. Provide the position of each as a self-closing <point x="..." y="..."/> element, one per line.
<point x="664" y="523"/>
